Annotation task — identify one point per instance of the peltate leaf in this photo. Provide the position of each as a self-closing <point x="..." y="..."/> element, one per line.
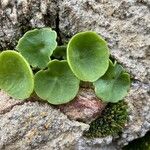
<point x="37" y="46"/>
<point x="88" y="56"/>
<point x="57" y="84"/>
<point x="114" y="85"/>
<point x="16" y="77"/>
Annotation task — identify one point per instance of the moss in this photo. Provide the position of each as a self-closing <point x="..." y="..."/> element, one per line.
<point x="139" y="144"/>
<point x="111" y="122"/>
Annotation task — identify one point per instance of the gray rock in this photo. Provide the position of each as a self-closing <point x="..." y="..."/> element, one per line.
<point x="139" y="116"/>
<point x="7" y="103"/>
<point x="19" y="16"/>
<point x="38" y="126"/>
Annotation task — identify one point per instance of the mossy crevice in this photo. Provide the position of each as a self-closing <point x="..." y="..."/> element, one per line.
<point x="111" y="122"/>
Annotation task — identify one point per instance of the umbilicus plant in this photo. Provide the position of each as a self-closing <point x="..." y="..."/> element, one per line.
<point x="58" y="81"/>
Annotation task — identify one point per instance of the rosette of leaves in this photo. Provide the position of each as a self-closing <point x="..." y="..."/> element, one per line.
<point x="87" y="60"/>
<point x="16" y="77"/>
<point x="57" y="84"/>
<point x="37" y="46"/>
<point x="114" y="85"/>
<point x="88" y="56"/>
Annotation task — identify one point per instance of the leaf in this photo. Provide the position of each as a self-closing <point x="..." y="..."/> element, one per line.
<point x="114" y="85"/>
<point x="57" y="84"/>
<point x="16" y="77"/>
<point x="88" y="56"/>
<point x="37" y="46"/>
<point x="60" y="52"/>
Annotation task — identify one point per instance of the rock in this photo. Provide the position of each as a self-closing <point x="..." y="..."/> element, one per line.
<point x="34" y="125"/>
<point x="7" y="103"/>
<point x="86" y="107"/>
<point x="96" y="144"/>
<point x="139" y="117"/>
<point x="19" y="16"/>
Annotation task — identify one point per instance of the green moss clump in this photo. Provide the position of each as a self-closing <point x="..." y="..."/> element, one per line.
<point x="111" y="122"/>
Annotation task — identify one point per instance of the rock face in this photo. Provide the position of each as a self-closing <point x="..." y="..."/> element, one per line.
<point x="7" y="103"/>
<point x="19" y="16"/>
<point x="125" y="25"/>
<point x="86" y="107"/>
<point x="38" y="126"/>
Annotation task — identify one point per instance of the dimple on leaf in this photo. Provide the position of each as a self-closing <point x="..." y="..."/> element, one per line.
<point x="114" y="85"/>
<point x="16" y="77"/>
<point x="37" y="46"/>
<point x="88" y="56"/>
<point x="57" y="84"/>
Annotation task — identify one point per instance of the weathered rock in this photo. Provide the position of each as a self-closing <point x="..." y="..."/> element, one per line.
<point x="139" y="117"/>
<point x="38" y="126"/>
<point x="7" y="103"/>
<point x="125" y="25"/>
<point x="86" y="107"/>
<point x="19" y="16"/>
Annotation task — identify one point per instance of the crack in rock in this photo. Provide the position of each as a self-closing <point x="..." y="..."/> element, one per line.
<point x="7" y="103"/>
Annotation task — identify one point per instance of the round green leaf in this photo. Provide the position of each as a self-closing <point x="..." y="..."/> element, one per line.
<point x="57" y="84"/>
<point x="37" y="46"/>
<point x="16" y="77"/>
<point x="88" y="56"/>
<point x="114" y="85"/>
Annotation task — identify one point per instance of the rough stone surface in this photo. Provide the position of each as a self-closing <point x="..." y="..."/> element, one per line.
<point x="125" y="25"/>
<point x="86" y="107"/>
<point x="38" y="126"/>
<point x="6" y="103"/>
<point x="18" y="16"/>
